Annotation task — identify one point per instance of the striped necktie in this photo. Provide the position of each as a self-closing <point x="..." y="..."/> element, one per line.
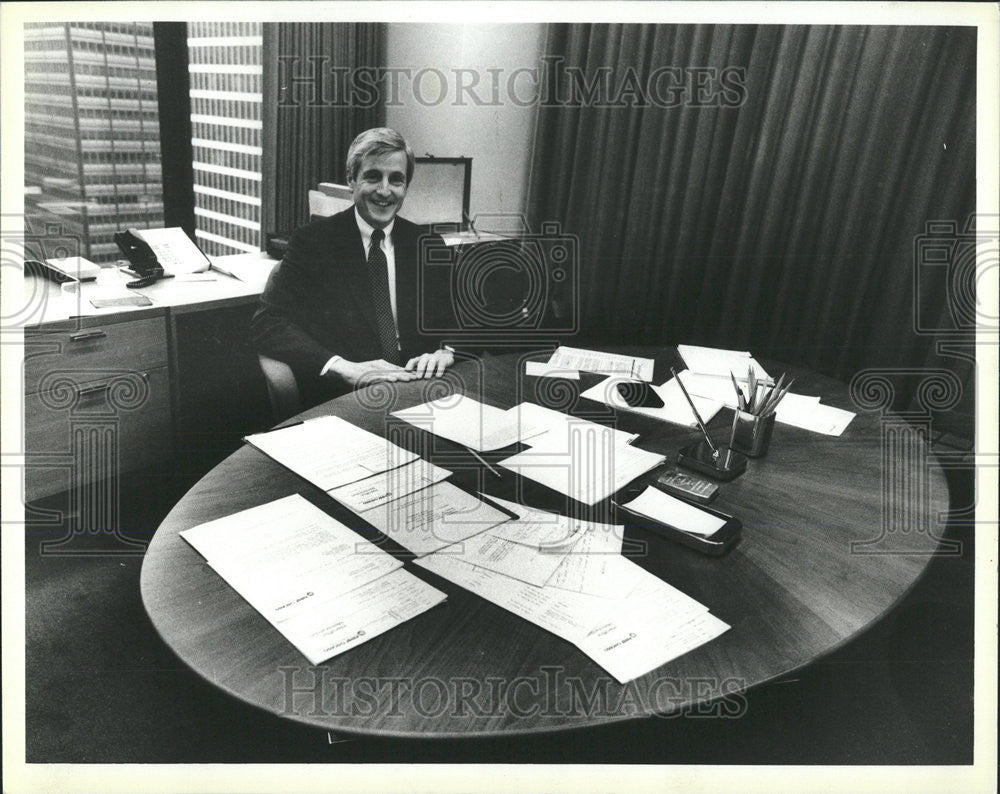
<point x="378" y="282"/>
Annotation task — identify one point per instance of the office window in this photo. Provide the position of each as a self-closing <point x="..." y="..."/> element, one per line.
<point x="226" y="99"/>
<point x="92" y="135"/>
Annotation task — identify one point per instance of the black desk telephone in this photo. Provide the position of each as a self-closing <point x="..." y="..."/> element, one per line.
<point x="141" y="258"/>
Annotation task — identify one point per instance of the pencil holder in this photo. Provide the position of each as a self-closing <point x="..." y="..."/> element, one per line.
<point x="752" y="434"/>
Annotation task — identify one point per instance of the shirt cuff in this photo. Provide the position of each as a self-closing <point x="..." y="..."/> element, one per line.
<point x="329" y="365"/>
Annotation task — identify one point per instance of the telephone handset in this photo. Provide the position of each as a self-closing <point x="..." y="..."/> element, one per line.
<point x="141" y="257"/>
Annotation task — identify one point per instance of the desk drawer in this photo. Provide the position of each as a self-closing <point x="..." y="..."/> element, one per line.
<point x="93" y="351"/>
<point x="86" y="431"/>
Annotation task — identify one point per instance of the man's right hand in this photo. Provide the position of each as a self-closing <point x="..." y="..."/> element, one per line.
<point x="361" y="373"/>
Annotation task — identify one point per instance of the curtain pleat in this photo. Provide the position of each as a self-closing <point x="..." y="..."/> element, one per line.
<point x="311" y="138"/>
<point x="785" y="225"/>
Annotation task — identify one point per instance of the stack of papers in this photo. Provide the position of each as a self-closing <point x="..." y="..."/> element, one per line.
<point x="470" y="423"/>
<point x="624" y="618"/>
<point x="323" y="586"/>
<point x="574" y="358"/>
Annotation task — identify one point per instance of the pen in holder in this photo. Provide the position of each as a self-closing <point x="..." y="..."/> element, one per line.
<point x="753" y="421"/>
<point x="704" y="457"/>
<point x="722" y="463"/>
<point x="752" y="434"/>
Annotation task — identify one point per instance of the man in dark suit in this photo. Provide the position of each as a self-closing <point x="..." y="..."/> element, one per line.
<point x="341" y="307"/>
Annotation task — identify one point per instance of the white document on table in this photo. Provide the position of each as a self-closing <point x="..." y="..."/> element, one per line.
<point x="589" y="568"/>
<point x="602" y="363"/>
<point x="251" y="268"/>
<point x="330" y="451"/>
<point x="675" y="409"/>
<point x="536" y="528"/>
<point x="323" y="586"/>
<point x="666" y="509"/>
<point x="823" y="419"/>
<point x="175" y="251"/>
<point x="721" y="363"/>
<point x="434" y="517"/>
<point x="283" y="550"/>
<point x="468" y="422"/>
<point x="328" y="628"/>
<point x="389" y="485"/>
<point x="633" y="646"/>
<point x="557" y="429"/>
<point x="628" y="637"/>
<point x="542" y="369"/>
<point x="593" y="468"/>
<point x="519" y="561"/>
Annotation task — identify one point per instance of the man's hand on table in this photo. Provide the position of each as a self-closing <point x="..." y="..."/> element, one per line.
<point x="431" y="365"/>
<point x="361" y="373"/>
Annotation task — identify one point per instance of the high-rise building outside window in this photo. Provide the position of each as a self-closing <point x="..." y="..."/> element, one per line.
<point x="226" y="100"/>
<point x="92" y="136"/>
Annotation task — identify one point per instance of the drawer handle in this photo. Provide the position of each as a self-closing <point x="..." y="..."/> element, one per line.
<point x="83" y="391"/>
<point x="83" y="336"/>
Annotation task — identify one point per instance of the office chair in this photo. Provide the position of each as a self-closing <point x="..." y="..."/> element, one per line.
<point x="282" y="388"/>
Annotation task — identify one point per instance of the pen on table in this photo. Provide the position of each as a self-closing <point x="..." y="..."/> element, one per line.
<point x="487" y="465"/>
<point x="701" y="424"/>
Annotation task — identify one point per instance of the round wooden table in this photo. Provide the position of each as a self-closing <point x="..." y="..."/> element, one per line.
<point x="835" y="531"/>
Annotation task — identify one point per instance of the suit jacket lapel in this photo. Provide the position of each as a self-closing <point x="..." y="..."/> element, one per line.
<point x="407" y="292"/>
<point x="354" y="268"/>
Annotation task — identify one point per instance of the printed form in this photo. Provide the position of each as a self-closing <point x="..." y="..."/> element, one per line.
<point x="330" y="452"/>
<point x="323" y="586"/>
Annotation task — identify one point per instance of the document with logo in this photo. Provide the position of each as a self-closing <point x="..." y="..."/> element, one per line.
<point x="469" y="422"/>
<point x="381" y="488"/>
<point x="602" y="363"/>
<point x="330" y="452"/>
<point x="434" y="517"/>
<point x="591" y="469"/>
<point x="286" y="548"/>
<point x="627" y="636"/>
<point x="323" y="586"/>
<point x="323" y="629"/>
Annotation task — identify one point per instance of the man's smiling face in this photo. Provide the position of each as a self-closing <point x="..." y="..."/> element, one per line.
<point x="380" y="187"/>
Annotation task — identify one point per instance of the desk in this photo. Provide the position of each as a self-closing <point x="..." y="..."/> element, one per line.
<point x="792" y="590"/>
<point x="133" y="380"/>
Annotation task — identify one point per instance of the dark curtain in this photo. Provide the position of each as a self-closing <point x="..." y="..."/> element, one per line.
<point x="784" y="224"/>
<point x="316" y="102"/>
